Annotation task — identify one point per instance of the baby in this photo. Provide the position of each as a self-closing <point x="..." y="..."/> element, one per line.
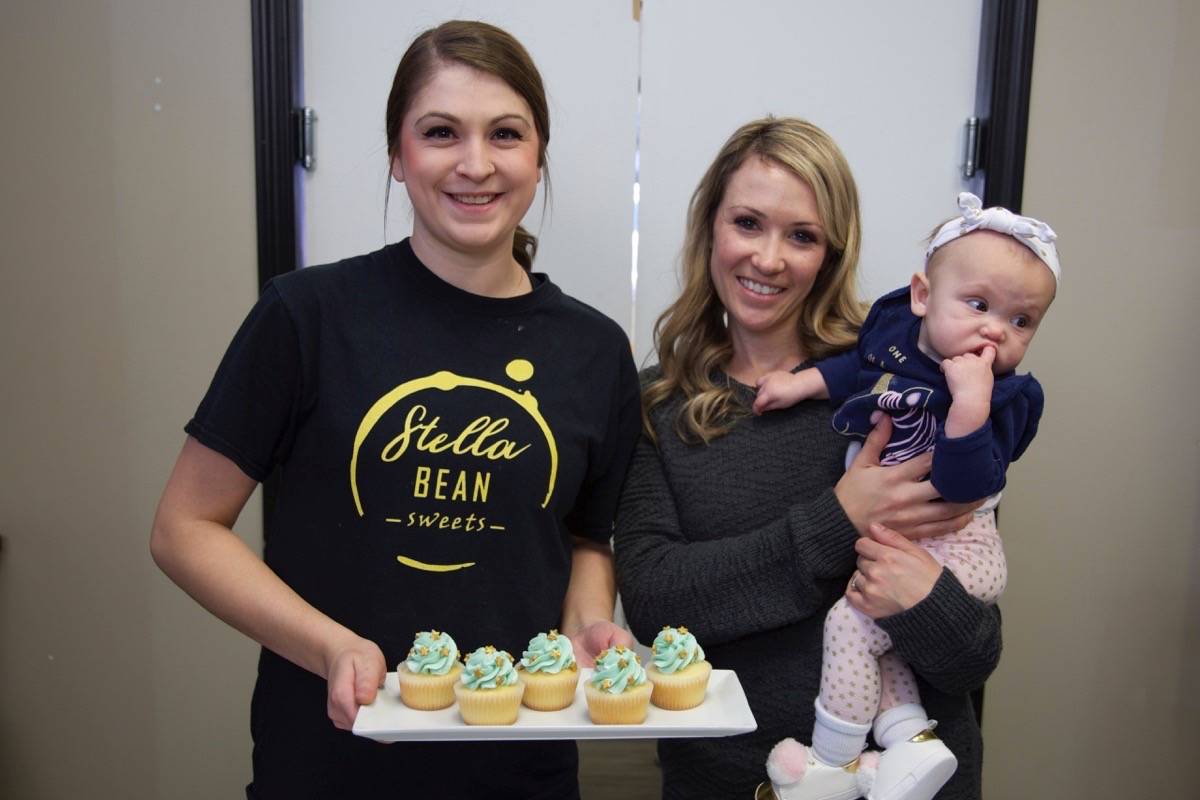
<point x="939" y="356"/>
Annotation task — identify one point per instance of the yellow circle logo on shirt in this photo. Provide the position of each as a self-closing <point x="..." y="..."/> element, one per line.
<point x="479" y="438"/>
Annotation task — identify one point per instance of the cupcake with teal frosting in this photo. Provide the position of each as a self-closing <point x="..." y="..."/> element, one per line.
<point x="618" y="692"/>
<point x="428" y="673"/>
<point x="488" y="690"/>
<point x="678" y="670"/>
<point x="549" y="672"/>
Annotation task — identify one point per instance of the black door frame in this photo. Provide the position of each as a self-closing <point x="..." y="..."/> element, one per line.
<point x="278" y="91"/>
<point x="1002" y="97"/>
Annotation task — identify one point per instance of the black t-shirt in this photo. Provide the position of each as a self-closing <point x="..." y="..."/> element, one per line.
<point x="437" y="449"/>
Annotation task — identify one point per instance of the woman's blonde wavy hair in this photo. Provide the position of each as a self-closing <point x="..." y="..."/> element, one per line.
<point x="691" y="337"/>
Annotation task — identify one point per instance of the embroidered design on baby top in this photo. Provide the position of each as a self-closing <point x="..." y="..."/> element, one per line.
<point x="914" y="426"/>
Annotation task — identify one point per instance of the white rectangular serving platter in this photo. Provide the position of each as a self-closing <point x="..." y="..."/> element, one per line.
<point x="724" y="712"/>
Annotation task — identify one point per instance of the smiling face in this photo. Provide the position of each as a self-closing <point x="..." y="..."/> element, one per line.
<point x="982" y="289"/>
<point x="468" y="156"/>
<point x="768" y="246"/>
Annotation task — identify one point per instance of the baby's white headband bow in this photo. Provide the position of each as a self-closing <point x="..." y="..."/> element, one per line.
<point x="1034" y="234"/>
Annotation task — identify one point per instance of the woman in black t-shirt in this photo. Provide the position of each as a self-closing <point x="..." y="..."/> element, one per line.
<point x="451" y="432"/>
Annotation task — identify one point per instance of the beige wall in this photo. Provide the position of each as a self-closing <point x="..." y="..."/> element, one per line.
<point x="1096" y="693"/>
<point x="128" y="257"/>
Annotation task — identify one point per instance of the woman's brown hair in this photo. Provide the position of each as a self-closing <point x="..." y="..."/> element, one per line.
<point x="488" y="49"/>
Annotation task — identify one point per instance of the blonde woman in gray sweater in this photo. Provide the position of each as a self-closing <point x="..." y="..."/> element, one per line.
<point x="747" y="528"/>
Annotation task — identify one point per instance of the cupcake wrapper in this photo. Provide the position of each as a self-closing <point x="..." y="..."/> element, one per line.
<point x="489" y="706"/>
<point x="549" y="691"/>
<point x="681" y="690"/>
<point x="627" y="708"/>
<point x="427" y="692"/>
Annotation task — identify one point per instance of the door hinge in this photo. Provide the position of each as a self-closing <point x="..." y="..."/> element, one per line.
<point x="971" y="148"/>
<point x="306" y="122"/>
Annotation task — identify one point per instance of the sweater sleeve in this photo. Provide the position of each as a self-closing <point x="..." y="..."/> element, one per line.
<point x="841" y="375"/>
<point x="730" y="588"/>
<point x="971" y="467"/>
<point x="974" y="466"/>
<point x="950" y="638"/>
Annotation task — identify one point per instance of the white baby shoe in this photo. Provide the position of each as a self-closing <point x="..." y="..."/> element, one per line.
<point x="796" y="774"/>
<point x="914" y="769"/>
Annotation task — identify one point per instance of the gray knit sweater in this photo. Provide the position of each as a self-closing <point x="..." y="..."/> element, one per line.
<point x="743" y="541"/>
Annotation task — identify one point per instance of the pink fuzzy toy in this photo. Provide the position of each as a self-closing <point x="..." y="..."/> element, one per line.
<point x="786" y="762"/>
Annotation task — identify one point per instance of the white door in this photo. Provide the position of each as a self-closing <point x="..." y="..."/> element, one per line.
<point x="892" y="82"/>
